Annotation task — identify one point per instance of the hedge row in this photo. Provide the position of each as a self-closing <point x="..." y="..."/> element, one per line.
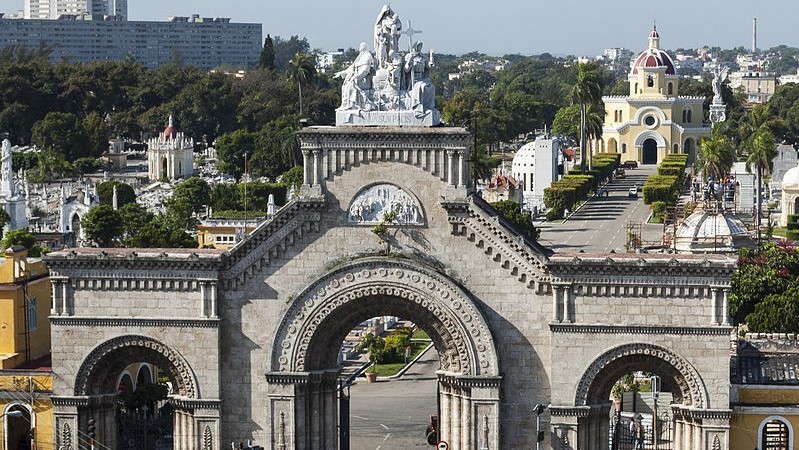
<point x="568" y="191"/>
<point x="665" y="186"/>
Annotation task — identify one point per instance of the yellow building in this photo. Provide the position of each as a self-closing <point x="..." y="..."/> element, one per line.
<point x="653" y="120"/>
<point x="26" y="381"/>
<point x="765" y="393"/>
<point x="225" y="233"/>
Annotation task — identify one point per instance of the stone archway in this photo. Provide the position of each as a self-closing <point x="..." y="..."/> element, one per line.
<point x="302" y="381"/>
<point x="97" y="382"/>
<point x="678" y="377"/>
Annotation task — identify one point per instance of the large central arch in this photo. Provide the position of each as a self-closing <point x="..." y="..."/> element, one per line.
<point x="306" y="347"/>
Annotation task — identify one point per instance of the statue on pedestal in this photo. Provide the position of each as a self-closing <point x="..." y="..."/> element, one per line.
<point x="389" y="87"/>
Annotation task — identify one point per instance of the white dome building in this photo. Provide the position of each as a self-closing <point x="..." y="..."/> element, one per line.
<point x="712" y="232"/>
<point x="171" y="155"/>
<point x="535" y="166"/>
<point x="790" y="195"/>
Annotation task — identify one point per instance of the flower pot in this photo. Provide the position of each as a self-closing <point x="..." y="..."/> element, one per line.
<point x="371" y="377"/>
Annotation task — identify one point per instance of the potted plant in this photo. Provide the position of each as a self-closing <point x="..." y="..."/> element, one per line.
<point x="616" y="393"/>
<point x="371" y="374"/>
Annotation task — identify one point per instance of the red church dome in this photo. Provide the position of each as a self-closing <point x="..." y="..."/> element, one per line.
<point x="170" y="132"/>
<point x="654" y="57"/>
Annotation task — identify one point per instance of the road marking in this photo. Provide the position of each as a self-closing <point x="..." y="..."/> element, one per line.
<point x="359" y="417"/>
<point x="384" y="426"/>
<point x="378" y="447"/>
<point x="387" y="436"/>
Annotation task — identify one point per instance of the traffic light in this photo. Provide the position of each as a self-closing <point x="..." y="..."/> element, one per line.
<point x="92" y="429"/>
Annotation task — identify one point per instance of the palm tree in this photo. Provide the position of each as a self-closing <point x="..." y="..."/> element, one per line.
<point x="763" y="150"/>
<point x="716" y="154"/>
<point x="587" y="92"/>
<point x="301" y="69"/>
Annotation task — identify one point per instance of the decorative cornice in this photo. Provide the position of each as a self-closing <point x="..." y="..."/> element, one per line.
<point x="469" y="382"/>
<point x="633" y="329"/>
<point x="523" y="258"/>
<point x="194" y="403"/>
<point x="606" y="268"/>
<point x="158" y="322"/>
<point x="272" y="238"/>
<point x="287" y="378"/>
<point x="134" y="263"/>
<point x="698" y="413"/>
<point x="569" y="411"/>
<point x="61" y="400"/>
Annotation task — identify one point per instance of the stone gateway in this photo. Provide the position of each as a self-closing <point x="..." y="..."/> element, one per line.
<point x="249" y="337"/>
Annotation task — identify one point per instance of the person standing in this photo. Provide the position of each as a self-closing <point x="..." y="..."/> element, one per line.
<point x="639" y="436"/>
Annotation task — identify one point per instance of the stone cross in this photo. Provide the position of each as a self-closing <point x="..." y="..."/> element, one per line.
<point x="410" y="32"/>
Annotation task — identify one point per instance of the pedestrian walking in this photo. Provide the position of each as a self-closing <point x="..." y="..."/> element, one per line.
<point x="639" y="436"/>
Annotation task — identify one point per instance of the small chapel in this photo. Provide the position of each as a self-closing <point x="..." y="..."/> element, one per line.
<point x="653" y="120"/>
<point x="171" y="155"/>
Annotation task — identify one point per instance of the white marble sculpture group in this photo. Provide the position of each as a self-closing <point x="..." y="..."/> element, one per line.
<point x="388" y="87"/>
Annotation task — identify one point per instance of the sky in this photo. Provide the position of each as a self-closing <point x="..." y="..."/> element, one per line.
<point x="498" y="27"/>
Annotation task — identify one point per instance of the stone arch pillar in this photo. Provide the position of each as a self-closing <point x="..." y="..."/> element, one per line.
<point x="302" y="391"/>
<point x="95" y="395"/>
<point x="694" y="425"/>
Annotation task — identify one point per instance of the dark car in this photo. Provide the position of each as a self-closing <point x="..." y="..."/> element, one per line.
<point x="630" y="164"/>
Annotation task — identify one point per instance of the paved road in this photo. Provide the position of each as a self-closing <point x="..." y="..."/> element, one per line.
<point x="393" y="414"/>
<point x="600" y="225"/>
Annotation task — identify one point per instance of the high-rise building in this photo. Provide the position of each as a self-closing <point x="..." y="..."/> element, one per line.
<point x="53" y="9"/>
<point x="199" y="41"/>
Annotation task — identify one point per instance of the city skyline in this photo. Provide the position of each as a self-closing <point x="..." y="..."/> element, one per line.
<point x="513" y="26"/>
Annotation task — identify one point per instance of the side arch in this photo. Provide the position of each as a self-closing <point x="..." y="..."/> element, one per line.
<point x="319" y="316"/>
<point x="98" y="372"/>
<point x="602" y="373"/>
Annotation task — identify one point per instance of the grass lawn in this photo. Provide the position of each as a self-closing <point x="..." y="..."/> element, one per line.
<point x="389" y="369"/>
<point x="779" y="231"/>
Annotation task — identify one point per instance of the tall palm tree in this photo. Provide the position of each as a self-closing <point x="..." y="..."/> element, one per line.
<point x="587" y="92"/>
<point x="302" y="69"/>
<point x="716" y="154"/>
<point x="763" y="150"/>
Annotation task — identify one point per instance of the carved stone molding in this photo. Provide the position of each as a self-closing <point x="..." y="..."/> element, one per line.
<point x="144" y="322"/>
<point x="272" y="238"/>
<point x="127" y="265"/>
<point x="464" y="331"/>
<point x="676" y="270"/>
<point x="96" y="364"/>
<point x="373" y="201"/>
<point x="520" y="256"/>
<point x="569" y="411"/>
<point x="634" y="329"/>
<point x="193" y="403"/>
<point x="689" y="381"/>
<point x="61" y="401"/>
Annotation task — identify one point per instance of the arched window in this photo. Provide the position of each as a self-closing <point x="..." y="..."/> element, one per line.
<point x="775" y="434"/>
<point x="670" y="89"/>
<point x="650" y="81"/>
<point x="624" y="148"/>
<point x="676" y="148"/>
<point x="684" y="116"/>
<point x="636" y="88"/>
<point x="689" y="116"/>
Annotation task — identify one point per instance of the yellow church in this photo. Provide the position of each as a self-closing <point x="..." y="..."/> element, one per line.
<point x="653" y="120"/>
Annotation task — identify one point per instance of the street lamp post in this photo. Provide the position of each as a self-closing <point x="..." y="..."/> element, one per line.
<point x="654" y="386"/>
<point x="539" y="435"/>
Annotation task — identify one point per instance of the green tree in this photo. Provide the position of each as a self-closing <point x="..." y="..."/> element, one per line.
<point x="293" y="177"/>
<point x="97" y="135"/>
<point x="716" y="154"/>
<point x="125" y="193"/>
<point x="769" y="273"/>
<point x="230" y="149"/>
<point x="225" y="197"/>
<point x="763" y="151"/>
<point x="191" y="196"/>
<point x="51" y="163"/>
<point x="102" y="224"/>
<point x="522" y="219"/>
<point x="63" y="132"/>
<point x="587" y="92"/>
<point x="134" y="218"/>
<point x="285" y="49"/>
<point x="86" y="164"/>
<point x="162" y="232"/>
<point x="267" y="60"/>
<point x="301" y="70"/>
<point x="19" y="237"/>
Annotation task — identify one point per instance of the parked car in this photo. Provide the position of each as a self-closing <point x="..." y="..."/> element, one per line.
<point x="633" y="192"/>
<point x="619" y="173"/>
<point x="631" y="164"/>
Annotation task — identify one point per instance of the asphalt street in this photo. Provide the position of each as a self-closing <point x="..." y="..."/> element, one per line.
<point x="600" y="225"/>
<point x="393" y="414"/>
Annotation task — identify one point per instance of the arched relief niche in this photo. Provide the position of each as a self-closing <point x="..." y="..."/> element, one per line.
<point x="372" y="202"/>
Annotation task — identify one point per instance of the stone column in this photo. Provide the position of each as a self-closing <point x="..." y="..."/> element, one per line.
<point x="725" y="306"/>
<point x="55" y="301"/>
<point x="214" y="313"/>
<point x="445" y="421"/>
<point x="568" y="306"/>
<point x="451" y="168"/>
<point x="65" y="303"/>
<point x="306" y="167"/>
<point x="316" y="167"/>
<point x="467" y="420"/>
<point x="457" y="418"/>
<point x="714" y="297"/>
<point x="462" y="169"/>
<point x="555" y="303"/>
<point x="203" y="300"/>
